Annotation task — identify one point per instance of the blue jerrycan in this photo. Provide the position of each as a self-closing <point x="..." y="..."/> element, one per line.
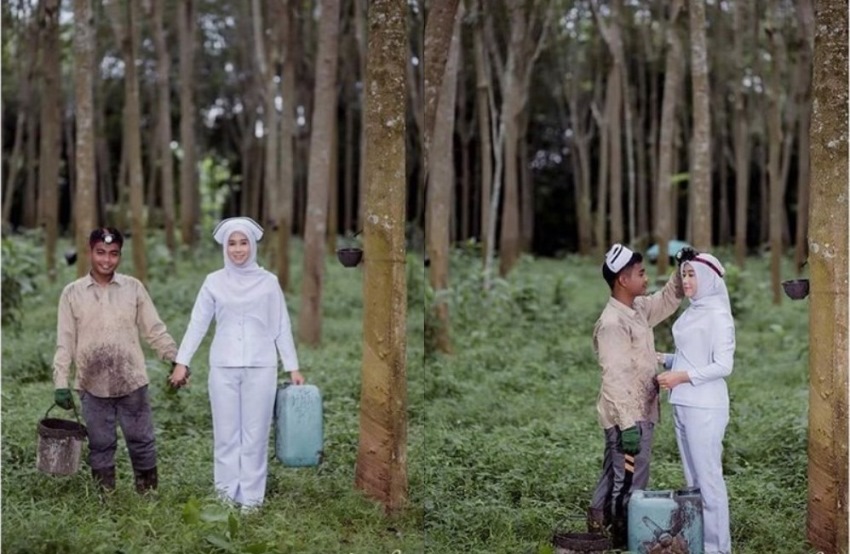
<point x="298" y="425"/>
<point x="666" y="521"/>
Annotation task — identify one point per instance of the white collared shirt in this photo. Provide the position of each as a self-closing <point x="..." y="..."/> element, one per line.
<point x="252" y="329"/>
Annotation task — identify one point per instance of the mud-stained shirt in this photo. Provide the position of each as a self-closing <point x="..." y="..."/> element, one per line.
<point x="98" y="331"/>
<point x="625" y="347"/>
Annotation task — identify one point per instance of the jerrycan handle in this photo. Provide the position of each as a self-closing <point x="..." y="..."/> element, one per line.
<point x="657" y="494"/>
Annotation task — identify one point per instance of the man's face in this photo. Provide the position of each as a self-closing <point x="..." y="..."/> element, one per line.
<point x="634" y="279"/>
<point x="105" y="258"/>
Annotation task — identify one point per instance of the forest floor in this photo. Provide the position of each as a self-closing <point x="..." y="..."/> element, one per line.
<point x="511" y="442"/>
<point x="504" y="447"/>
<point x="306" y="509"/>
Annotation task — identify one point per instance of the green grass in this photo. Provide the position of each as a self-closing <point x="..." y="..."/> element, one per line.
<point x="504" y="446"/>
<point x="511" y="442"/>
<point x="306" y="509"/>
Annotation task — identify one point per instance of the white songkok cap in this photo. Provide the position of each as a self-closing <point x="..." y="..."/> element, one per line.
<point x="244" y="224"/>
<point x="617" y="257"/>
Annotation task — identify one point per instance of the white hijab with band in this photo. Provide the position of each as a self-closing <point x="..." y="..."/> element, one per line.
<point x="243" y="277"/>
<point x="711" y="293"/>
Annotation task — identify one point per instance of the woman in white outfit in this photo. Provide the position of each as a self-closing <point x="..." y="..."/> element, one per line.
<point x="252" y="331"/>
<point x="705" y="347"/>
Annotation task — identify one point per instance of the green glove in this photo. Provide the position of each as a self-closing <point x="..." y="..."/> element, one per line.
<point x="63" y="398"/>
<point x="630" y="440"/>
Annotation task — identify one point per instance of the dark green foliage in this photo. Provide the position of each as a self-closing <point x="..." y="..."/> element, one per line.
<point x="21" y="270"/>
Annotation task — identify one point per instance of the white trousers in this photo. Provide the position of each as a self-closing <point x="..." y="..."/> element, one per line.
<point x="699" y="433"/>
<point x="242" y="400"/>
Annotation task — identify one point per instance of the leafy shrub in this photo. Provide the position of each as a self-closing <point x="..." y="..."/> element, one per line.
<point x="21" y="269"/>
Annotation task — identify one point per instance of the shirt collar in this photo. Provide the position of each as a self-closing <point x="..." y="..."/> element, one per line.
<point x="116" y="280"/>
<point x="620" y="307"/>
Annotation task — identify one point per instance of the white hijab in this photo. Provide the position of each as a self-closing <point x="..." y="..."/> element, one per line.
<point x="711" y="291"/>
<point x="243" y="277"/>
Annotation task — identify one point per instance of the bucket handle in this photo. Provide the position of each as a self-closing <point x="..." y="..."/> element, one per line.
<point x="73" y="406"/>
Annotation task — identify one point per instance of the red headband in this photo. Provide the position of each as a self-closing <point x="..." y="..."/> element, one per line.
<point x="709" y="264"/>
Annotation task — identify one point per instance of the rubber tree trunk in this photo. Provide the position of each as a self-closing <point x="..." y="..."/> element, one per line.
<point x="318" y="185"/>
<point x="441" y="177"/>
<point x="701" y="141"/>
<point x="381" y="468"/>
<point x="51" y="120"/>
<point x="828" y="235"/>
<point x="672" y="83"/>
<point x="84" y="199"/>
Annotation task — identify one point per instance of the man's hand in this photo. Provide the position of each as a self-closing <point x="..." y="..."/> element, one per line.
<point x="630" y="440"/>
<point x="296" y="378"/>
<point x="63" y="398"/>
<point x="686" y="254"/>
<point x="179" y="376"/>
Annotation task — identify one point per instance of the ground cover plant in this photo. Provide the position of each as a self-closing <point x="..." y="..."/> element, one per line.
<point x="306" y="510"/>
<point x="512" y="449"/>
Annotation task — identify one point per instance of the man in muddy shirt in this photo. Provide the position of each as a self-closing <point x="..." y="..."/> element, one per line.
<point x="628" y="399"/>
<point x="100" y="319"/>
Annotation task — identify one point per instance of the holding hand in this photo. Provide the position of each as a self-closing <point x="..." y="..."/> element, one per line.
<point x="63" y="398"/>
<point x="179" y="376"/>
<point x="670" y="379"/>
<point x="630" y="440"/>
<point x="296" y="378"/>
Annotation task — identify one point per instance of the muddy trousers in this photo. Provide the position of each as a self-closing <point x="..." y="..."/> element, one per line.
<point x="242" y="401"/>
<point x="615" y="485"/>
<point x="133" y="413"/>
<point x="699" y="433"/>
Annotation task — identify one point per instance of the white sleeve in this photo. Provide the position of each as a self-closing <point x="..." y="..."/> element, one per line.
<point x="283" y="341"/>
<point x="721" y="353"/>
<point x="202" y="314"/>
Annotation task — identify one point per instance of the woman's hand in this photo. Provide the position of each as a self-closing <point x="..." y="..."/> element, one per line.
<point x="179" y="376"/>
<point x="296" y="377"/>
<point x="668" y="380"/>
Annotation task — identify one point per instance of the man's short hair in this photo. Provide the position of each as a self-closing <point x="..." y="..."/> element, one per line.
<point x="108" y="235"/>
<point x="611" y="277"/>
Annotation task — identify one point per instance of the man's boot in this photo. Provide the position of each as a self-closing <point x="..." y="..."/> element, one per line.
<point x="596" y="521"/>
<point x="146" y="479"/>
<point x="105" y="478"/>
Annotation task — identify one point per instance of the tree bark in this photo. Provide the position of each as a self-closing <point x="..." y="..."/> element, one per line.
<point x="613" y="120"/>
<point x="701" y="212"/>
<point x="828" y="242"/>
<point x="84" y="199"/>
<point x="166" y="159"/>
<point x="482" y="88"/>
<point x="318" y="186"/>
<point x="438" y="36"/>
<point x="125" y="24"/>
<point x="775" y="196"/>
<point x="805" y="17"/>
<point x="51" y="120"/>
<point x="740" y="135"/>
<point x="188" y="171"/>
<point x="666" y="143"/>
<point x="441" y="177"/>
<point x="381" y="469"/>
<point x="287" y="133"/>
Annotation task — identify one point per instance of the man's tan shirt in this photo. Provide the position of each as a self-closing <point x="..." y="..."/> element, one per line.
<point x="625" y="346"/>
<point x="98" y="330"/>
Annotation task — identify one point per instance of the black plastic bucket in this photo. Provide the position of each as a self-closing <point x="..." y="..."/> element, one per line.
<point x="60" y="444"/>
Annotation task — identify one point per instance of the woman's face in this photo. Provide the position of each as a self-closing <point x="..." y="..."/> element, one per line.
<point x="238" y="248"/>
<point x="689" y="280"/>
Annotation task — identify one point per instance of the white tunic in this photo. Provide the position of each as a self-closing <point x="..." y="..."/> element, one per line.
<point x="252" y="325"/>
<point x="705" y="345"/>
